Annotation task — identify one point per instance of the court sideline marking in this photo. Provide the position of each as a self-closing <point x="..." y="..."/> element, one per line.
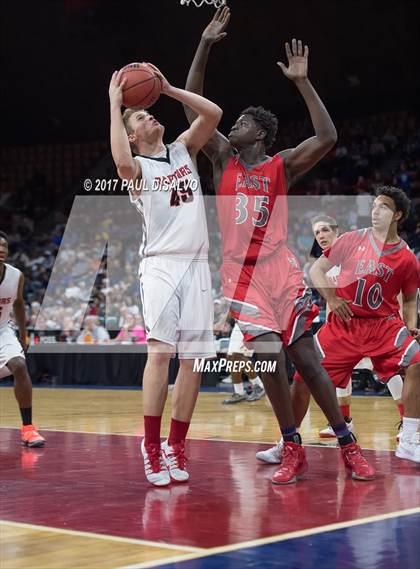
<point x="273" y="539"/>
<point x="201" y="438"/>
<point x="110" y="537"/>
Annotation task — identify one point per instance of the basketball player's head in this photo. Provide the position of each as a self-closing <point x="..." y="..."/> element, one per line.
<point x="254" y="125"/>
<point x="4" y="246"/>
<point x="325" y="230"/>
<point x="141" y="126"/>
<point x="390" y="207"/>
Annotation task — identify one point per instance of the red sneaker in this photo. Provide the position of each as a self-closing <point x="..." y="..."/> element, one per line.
<point x="356" y="464"/>
<point x="293" y="465"/>
<point x="30" y="437"/>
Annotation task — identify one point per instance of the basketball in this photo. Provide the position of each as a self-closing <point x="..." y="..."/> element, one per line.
<point x="143" y="86"/>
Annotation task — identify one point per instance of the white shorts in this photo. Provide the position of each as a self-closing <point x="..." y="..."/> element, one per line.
<point x="236" y="343"/>
<point x="10" y="348"/>
<point x="178" y="304"/>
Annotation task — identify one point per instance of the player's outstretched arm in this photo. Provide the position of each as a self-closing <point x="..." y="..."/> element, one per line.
<point x="308" y="153"/>
<point x="218" y="145"/>
<point x="128" y="168"/>
<point x="318" y="273"/>
<point x="19" y="312"/>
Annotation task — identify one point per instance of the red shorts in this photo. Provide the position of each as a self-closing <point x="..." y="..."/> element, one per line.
<point x="269" y="296"/>
<point x="386" y="341"/>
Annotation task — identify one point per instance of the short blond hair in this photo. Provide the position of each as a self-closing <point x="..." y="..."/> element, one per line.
<point x="127" y="114"/>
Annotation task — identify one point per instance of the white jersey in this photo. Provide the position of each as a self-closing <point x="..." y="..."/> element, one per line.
<point x="8" y="292"/>
<point x="172" y="205"/>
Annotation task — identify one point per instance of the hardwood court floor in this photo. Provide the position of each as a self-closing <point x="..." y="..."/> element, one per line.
<point x="82" y="501"/>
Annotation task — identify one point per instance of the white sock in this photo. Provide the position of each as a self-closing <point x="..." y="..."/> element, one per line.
<point x="395" y="386"/>
<point x="239" y="388"/>
<point x="256" y="381"/>
<point x="410" y="426"/>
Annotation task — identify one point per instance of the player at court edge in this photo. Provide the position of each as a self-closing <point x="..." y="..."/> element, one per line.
<point x="376" y="266"/>
<point x="261" y="278"/>
<point x="12" y="350"/>
<point x="175" y="280"/>
<point x="325" y="230"/>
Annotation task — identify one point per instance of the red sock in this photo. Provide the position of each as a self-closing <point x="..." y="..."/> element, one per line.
<point x="178" y="431"/>
<point x="152" y="429"/>
<point x="345" y="409"/>
<point x="401" y="410"/>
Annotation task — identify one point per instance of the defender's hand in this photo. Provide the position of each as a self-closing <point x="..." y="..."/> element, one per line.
<point x="340" y="307"/>
<point x="115" y="88"/>
<point x="297" y="58"/>
<point x="215" y="31"/>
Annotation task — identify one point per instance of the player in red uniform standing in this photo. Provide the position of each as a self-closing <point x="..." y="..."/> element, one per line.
<point x="261" y="277"/>
<point x="376" y="265"/>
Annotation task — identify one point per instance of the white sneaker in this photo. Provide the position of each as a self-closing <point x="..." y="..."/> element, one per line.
<point x="409" y="448"/>
<point x="328" y="432"/>
<point x="272" y="455"/>
<point x="154" y="465"/>
<point x="174" y="457"/>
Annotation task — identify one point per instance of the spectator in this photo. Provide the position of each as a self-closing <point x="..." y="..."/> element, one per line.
<point x="93" y="332"/>
<point x="132" y="331"/>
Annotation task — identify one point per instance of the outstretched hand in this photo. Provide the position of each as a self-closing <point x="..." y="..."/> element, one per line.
<point x="297" y="58"/>
<point x="215" y="31"/>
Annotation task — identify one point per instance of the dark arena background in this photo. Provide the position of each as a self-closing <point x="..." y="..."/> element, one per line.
<point x="82" y="500"/>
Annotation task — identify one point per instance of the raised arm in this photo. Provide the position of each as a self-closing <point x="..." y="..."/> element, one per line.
<point x="218" y="145"/>
<point x="207" y="115"/>
<point x="128" y="168"/>
<point x="302" y="158"/>
<point x="318" y="273"/>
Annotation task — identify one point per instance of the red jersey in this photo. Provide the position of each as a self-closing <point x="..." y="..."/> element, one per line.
<point x="373" y="273"/>
<point x="252" y="209"/>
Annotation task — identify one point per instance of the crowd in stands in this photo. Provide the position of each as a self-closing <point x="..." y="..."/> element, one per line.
<point x="372" y="151"/>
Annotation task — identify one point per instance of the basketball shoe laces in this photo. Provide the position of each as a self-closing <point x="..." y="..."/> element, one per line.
<point x="177" y="458"/>
<point x="354" y="457"/>
<point x="291" y="457"/>
<point x="154" y="461"/>
<point x="416" y="438"/>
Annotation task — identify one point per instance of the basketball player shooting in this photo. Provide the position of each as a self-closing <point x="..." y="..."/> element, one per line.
<point x="175" y="280"/>
<point x="12" y="351"/>
<point x="261" y="277"/>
